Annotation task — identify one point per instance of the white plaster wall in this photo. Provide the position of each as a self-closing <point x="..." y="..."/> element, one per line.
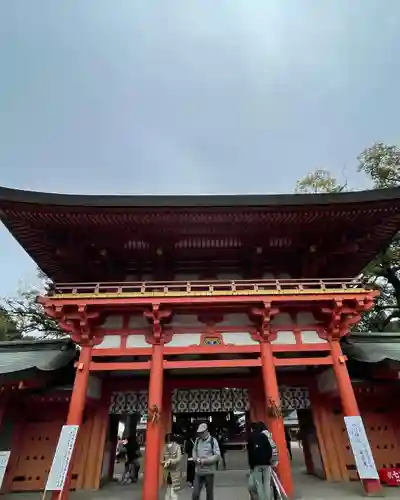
<point x="285" y="338"/>
<point x="185" y="340"/>
<point x="238" y="338"/>
<point x="136" y="341"/>
<point x="109" y="342"/>
<point x="311" y="337"/>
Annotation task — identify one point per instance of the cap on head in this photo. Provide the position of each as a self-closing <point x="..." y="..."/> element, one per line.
<point x="202" y="428"/>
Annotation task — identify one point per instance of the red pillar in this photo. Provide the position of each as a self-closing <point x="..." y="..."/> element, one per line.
<point x="154" y="428"/>
<point x="77" y="407"/>
<point x="276" y="425"/>
<point x="349" y="402"/>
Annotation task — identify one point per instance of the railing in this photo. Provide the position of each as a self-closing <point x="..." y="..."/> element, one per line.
<point x="210" y="288"/>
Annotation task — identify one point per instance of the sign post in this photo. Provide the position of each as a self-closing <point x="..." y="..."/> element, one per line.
<point x="4" y="458"/>
<point x="359" y="443"/>
<point x="62" y="459"/>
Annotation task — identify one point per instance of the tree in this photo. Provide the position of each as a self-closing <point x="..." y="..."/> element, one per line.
<point x="8" y="327"/>
<point x="29" y="316"/>
<point x="319" y="181"/>
<point x="381" y="163"/>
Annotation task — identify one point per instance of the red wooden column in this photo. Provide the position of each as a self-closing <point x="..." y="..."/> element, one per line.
<point x="349" y="402"/>
<point x="272" y="395"/>
<point x="276" y="425"/>
<point x="77" y="406"/>
<point x="154" y="431"/>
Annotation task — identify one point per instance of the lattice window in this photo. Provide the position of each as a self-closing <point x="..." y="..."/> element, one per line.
<point x="206" y="400"/>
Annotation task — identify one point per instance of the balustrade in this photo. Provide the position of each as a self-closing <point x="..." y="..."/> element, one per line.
<point x="211" y="287"/>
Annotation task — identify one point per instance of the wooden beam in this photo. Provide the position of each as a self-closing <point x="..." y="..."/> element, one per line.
<point x="210" y="363"/>
<point x="303" y="361"/>
<point x="119" y="366"/>
<point x="212" y="349"/>
<point x="207" y="363"/>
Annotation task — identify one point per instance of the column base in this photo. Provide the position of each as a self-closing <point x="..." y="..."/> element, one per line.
<point x="373" y="488"/>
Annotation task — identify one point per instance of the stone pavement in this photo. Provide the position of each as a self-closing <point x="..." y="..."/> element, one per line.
<point x="231" y="485"/>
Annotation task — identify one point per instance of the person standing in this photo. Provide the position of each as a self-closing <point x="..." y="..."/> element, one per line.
<point x="190" y="466"/>
<point x="132" y="464"/>
<point x="171" y="462"/>
<point x="222" y="448"/>
<point x="288" y="442"/>
<point x="262" y="455"/>
<point x="206" y="455"/>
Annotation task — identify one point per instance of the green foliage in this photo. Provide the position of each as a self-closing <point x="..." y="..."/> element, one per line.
<point x="381" y="163"/>
<point x="8" y="327"/>
<point x="319" y="181"/>
<point x="29" y="316"/>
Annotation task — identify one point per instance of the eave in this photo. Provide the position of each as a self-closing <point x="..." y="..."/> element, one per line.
<point x="347" y="230"/>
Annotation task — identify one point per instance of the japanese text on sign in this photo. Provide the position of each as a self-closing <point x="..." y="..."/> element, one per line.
<point x="62" y="458"/>
<point x="361" y="449"/>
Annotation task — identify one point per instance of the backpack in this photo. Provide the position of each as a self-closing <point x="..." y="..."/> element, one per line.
<point x="196" y="444"/>
<point x="260" y="449"/>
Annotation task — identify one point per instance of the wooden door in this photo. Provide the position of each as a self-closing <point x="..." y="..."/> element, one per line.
<point x="37" y="445"/>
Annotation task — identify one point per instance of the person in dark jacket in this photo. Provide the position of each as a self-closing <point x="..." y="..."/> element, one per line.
<point x="222" y="448"/>
<point x="288" y="442"/>
<point x="132" y="465"/>
<point x="190" y="466"/>
<point x="262" y="455"/>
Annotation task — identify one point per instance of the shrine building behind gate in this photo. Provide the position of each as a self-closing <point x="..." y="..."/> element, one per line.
<point x="200" y="304"/>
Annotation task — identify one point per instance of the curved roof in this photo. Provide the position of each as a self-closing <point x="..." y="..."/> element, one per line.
<point x="8" y="195"/>
<point x="24" y="358"/>
<point x="373" y="347"/>
<point x="92" y="238"/>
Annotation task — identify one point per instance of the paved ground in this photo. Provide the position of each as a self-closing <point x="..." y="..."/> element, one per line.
<point x="231" y="485"/>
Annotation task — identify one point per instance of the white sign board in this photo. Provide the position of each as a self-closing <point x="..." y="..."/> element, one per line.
<point x="62" y="458"/>
<point x="4" y="458"/>
<point x="361" y="449"/>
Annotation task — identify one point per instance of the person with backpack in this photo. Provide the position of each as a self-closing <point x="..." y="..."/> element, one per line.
<point x="262" y="455"/>
<point x="205" y="455"/>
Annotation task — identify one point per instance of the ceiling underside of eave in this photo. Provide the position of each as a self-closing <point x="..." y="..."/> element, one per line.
<point x="60" y="241"/>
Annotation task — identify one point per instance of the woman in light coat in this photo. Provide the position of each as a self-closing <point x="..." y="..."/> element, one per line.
<point x="172" y="476"/>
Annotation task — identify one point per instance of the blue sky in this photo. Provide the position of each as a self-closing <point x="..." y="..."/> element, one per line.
<point x="168" y="96"/>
